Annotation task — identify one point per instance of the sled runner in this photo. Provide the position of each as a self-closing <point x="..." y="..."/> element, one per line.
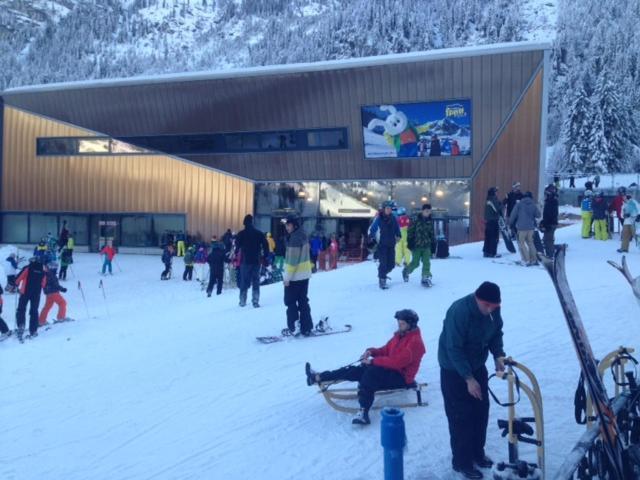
<point x="340" y="398"/>
<point x="624" y="269"/>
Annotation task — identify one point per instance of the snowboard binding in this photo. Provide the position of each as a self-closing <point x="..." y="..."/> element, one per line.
<point x="519" y="429"/>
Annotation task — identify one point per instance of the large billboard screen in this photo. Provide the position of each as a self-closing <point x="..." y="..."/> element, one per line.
<point x="412" y="130"/>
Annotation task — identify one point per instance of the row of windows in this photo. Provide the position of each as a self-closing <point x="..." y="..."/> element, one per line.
<point x="128" y="230"/>
<point x="197" y="144"/>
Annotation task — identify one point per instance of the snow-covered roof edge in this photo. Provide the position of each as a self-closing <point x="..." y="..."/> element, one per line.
<point x="396" y="58"/>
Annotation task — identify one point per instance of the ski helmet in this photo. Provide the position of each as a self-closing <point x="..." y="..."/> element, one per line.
<point x="388" y="203"/>
<point x="409" y="316"/>
<point x="293" y="220"/>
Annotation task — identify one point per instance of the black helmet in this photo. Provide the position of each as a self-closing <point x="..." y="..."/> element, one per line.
<point x="408" y="316"/>
<point x="292" y="219"/>
<point x="622" y="190"/>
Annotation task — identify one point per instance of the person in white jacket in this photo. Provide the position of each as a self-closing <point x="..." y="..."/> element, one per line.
<point x="630" y="212"/>
<point x="11" y="269"/>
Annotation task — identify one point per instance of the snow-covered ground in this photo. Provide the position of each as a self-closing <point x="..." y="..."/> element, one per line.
<point x="160" y="382"/>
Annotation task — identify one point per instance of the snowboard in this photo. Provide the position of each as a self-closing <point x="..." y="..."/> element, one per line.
<point x="506" y="235"/>
<point x="314" y="333"/>
<point x="610" y="433"/>
<point x="537" y="241"/>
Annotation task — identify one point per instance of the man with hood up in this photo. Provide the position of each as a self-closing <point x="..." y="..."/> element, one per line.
<point x="523" y="219"/>
<point x="253" y="245"/>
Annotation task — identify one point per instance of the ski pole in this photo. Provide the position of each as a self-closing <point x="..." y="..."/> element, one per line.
<point x="104" y="295"/>
<point x="117" y="265"/>
<point x="72" y="272"/>
<point x="86" y="307"/>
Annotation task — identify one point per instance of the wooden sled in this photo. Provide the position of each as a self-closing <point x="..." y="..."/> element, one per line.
<point x="339" y="398"/>
<point x="624" y="269"/>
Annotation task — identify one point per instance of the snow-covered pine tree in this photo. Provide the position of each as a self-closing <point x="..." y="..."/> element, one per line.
<point x="576" y="131"/>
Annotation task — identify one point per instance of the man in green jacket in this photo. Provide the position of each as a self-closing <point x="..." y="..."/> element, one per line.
<point x="420" y="239"/>
<point x="472" y="328"/>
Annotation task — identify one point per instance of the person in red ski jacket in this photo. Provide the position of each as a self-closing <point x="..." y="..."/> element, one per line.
<point x="390" y="367"/>
<point x="108" y="252"/>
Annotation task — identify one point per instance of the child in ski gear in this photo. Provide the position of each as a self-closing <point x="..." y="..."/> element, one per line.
<point x="492" y="214"/>
<point x="108" y="252"/>
<point x="389" y="234"/>
<point x="52" y="291"/>
<point x="180" y="239"/>
<point x="216" y="260"/>
<point x="297" y="272"/>
<point x="472" y="328"/>
<point x="4" y="329"/>
<point x="523" y="219"/>
<point x="167" y="255"/>
<point x="403" y="252"/>
<point x="30" y="282"/>
<point x="65" y="260"/>
<point x="599" y="209"/>
<point x="11" y="268"/>
<point x="253" y="245"/>
<point x="549" y="221"/>
<point x="41" y="250"/>
<point x="333" y="252"/>
<point x="630" y="212"/>
<point x="420" y="239"/>
<point x="189" y="258"/>
<point x="392" y="366"/>
<point x="586" y="213"/>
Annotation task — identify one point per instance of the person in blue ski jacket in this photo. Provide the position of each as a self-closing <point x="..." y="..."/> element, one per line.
<point x="586" y="211"/>
<point x="387" y="224"/>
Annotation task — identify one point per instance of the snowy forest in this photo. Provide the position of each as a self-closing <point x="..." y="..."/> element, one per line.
<point x="594" y="108"/>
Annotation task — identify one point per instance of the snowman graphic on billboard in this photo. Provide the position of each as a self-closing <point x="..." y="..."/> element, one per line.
<point x="399" y="132"/>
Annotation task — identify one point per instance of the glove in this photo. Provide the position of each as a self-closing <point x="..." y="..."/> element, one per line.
<point x="62" y="289"/>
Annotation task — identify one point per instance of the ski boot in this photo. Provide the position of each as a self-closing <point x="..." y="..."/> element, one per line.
<point x="405" y="274"/>
<point x="311" y="374"/>
<point x="361" y="418"/>
<point x="20" y="334"/>
<point x="382" y="283"/>
<point x="426" y="281"/>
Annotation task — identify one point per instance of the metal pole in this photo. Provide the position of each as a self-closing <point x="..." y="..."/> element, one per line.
<point x="393" y="440"/>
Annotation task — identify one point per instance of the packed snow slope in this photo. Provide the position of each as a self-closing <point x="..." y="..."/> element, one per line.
<point x="158" y="381"/>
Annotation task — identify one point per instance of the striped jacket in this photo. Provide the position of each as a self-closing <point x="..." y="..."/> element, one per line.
<point x="296" y="261"/>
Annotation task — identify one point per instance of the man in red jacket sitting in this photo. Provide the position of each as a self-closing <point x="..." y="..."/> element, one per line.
<point x="393" y="366"/>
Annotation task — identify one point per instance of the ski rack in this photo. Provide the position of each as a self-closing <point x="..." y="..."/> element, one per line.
<point x="516" y="427"/>
<point x="335" y="396"/>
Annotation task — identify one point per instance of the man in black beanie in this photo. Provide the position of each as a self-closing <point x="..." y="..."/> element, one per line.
<point x="472" y="328"/>
<point x="253" y="248"/>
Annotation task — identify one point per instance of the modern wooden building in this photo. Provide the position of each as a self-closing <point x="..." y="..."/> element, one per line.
<point x="329" y="140"/>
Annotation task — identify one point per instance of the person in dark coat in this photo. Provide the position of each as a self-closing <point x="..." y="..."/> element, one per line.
<point x="389" y="234"/>
<point x="253" y="245"/>
<point x="216" y="260"/>
<point x="227" y="240"/>
<point x="549" y="221"/>
<point x="64" y="236"/>
<point x="167" y="255"/>
<point x="29" y="282"/>
<point x="492" y="214"/>
<point x="472" y="328"/>
<point x="435" y="149"/>
<point x="4" y="329"/>
<point x="599" y="207"/>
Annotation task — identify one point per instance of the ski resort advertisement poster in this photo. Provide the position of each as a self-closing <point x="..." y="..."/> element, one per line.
<point x="410" y="130"/>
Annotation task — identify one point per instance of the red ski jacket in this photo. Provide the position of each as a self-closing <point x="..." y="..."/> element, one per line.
<point x="402" y="354"/>
<point x="109" y="252"/>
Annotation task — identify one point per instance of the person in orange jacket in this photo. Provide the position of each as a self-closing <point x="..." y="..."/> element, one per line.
<point x="108" y="252"/>
<point x="30" y="282"/>
<point x="393" y="366"/>
<point x="52" y="289"/>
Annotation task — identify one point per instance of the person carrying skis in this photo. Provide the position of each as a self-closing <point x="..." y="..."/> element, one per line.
<point x="297" y="272"/>
<point x="29" y="282"/>
<point x="253" y="245"/>
<point x="167" y="255"/>
<point x="188" y="263"/>
<point x="492" y="214"/>
<point x="586" y="212"/>
<point x="523" y="219"/>
<point x="216" y="260"/>
<point x="4" y="329"/>
<point x="630" y="213"/>
<point x="420" y="239"/>
<point x="65" y="260"/>
<point x="392" y="366"/>
<point x="389" y="234"/>
<point x="599" y="209"/>
<point x="549" y="221"/>
<point x="108" y="252"/>
<point x="472" y="328"/>
<point x="10" y="269"/>
<point x="52" y="289"/>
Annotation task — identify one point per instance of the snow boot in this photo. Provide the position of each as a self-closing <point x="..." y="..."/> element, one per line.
<point x="361" y="418"/>
<point x="383" y="283"/>
<point x="311" y="374"/>
<point x="469" y="472"/>
<point x="426" y="281"/>
<point x="405" y="274"/>
<point x="484" y="462"/>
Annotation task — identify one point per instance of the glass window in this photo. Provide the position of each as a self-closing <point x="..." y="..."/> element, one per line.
<point x="41" y="225"/>
<point x="198" y="144"/>
<point x="118" y="146"/>
<point x="136" y="231"/>
<point x="163" y="224"/>
<point x="233" y="142"/>
<point x="326" y="139"/>
<point x="250" y="141"/>
<point x="78" y="226"/>
<point x="277" y="141"/>
<point x="93" y="145"/>
<point x="56" y="146"/>
<point x="15" y="228"/>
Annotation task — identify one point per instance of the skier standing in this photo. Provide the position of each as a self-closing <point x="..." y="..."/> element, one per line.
<point x="188" y="263"/>
<point x="65" y="260"/>
<point x="297" y="272"/>
<point x="392" y="366"/>
<point x="253" y="245"/>
<point x="630" y="212"/>
<point x="472" y="328"/>
<point x="52" y="289"/>
<point x="109" y="252"/>
<point x="420" y="239"/>
<point x="11" y="268"/>
<point x="29" y="282"/>
<point x="549" y="221"/>
<point x="167" y="255"/>
<point x="587" y="214"/>
<point x="492" y="214"/>
<point x="599" y="209"/>
<point x="216" y="261"/>
<point x="389" y="234"/>
<point x="523" y="218"/>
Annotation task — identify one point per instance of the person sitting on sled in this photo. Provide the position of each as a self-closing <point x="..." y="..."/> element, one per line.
<point x="390" y="367"/>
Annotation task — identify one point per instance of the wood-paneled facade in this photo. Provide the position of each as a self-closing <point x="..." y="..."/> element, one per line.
<point x="505" y="84"/>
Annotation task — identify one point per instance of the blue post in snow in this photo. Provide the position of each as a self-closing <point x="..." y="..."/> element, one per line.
<point x="393" y="440"/>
